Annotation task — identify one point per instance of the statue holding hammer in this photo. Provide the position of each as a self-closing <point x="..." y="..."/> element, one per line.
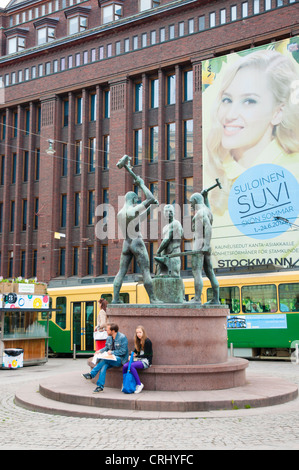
<point x="202" y="232"/>
<point x="129" y="217"/>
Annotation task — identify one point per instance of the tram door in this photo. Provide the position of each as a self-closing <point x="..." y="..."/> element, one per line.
<point x="83" y="324"/>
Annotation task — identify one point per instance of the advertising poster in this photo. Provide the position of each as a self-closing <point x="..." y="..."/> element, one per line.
<point x="250" y="105"/>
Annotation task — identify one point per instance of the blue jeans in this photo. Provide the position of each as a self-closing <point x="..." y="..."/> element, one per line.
<point x="103" y="365"/>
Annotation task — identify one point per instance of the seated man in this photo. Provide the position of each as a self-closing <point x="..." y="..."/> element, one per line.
<point x="117" y="345"/>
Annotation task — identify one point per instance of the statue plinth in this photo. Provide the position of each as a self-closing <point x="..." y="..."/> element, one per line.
<point x="169" y="289"/>
<point x="189" y="344"/>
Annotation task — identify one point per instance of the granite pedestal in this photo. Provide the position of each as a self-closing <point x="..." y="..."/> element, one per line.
<point x="189" y="343"/>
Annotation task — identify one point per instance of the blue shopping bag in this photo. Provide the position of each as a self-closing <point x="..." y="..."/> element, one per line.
<point x="129" y="382"/>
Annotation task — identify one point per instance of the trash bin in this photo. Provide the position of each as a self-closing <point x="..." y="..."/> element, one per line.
<point x="12" y="358"/>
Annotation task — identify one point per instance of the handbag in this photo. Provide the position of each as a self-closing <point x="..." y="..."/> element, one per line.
<point x="129" y="382"/>
<point x="100" y="335"/>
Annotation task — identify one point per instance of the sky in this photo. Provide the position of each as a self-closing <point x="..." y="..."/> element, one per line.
<point x="3" y="3"/>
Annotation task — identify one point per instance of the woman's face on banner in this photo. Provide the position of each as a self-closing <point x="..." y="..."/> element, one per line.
<point x="247" y="113"/>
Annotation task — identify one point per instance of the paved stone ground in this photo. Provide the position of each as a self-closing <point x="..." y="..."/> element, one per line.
<point x="268" y="428"/>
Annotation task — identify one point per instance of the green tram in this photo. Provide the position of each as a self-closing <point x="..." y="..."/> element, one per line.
<point x="263" y="320"/>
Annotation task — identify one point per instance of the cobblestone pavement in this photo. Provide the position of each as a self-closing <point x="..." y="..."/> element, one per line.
<point x="272" y="428"/>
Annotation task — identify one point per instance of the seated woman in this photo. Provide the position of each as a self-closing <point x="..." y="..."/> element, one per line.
<point x="143" y="354"/>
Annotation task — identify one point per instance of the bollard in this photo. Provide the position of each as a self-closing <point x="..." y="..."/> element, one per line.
<point x="231" y="350"/>
<point x="74" y="352"/>
<point x="297" y="354"/>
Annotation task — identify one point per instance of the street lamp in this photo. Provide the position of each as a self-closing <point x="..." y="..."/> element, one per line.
<point x="50" y="150"/>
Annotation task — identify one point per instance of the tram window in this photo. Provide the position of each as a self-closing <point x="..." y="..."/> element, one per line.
<point x="289" y="297"/>
<point x="228" y="296"/>
<point x="123" y="296"/>
<point x="258" y="299"/>
<point x="61" y="315"/>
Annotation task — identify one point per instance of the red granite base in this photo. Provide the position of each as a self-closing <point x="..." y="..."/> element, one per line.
<point x="189" y="343"/>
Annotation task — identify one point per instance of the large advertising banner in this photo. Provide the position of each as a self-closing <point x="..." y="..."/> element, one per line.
<point x="250" y="106"/>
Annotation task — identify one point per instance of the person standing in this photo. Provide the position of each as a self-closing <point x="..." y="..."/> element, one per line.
<point x="101" y="324"/>
<point x="117" y="345"/>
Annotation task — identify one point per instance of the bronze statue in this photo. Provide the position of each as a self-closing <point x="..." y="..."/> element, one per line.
<point x="201" y="256"/>
<point x="170" y="245"/>
<point x="129" y="218"/>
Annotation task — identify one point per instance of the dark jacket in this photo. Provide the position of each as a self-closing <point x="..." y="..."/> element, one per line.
<point x="148" y="351"/>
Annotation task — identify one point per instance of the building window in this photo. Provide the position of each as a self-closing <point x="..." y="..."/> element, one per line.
<point x="47" y="68"/>
<point x="162" y="35"/>
<point x="92" y="154"/>
<point x="148" y="4"/>
<point x="106" y="152"/>
<point x="181" y="28"/>
<point x="256" y="6"/>
<point x="117" y="48"/>
<point x="223" y="16"/>
<point x="212" y="19"/>
<point x="78" y="59"/>
<point x="170" y="96"/>
<point x="244" y="9"/>
<point x="137" y="146"/>
<point x="65" y="113"/>
<point x="37" y="164"/>
<point x="24" y="214"/>
<point x="89" y="260"/>
<point x="3" y="127"/>
<point x="77" y="210"/>
<point x="153" y="38"/>
<point x="104" y="259"/>
<point x="267" y="5"/>
<point x="171" y="31"/>
<point x="111" y="12"/>
<point x="63" y="210"/>
<point x="154" y="140"/>
<point x="188" y="85"/>
<point x="15" y="124"/>
<point x="62" y="261"/>
<point x="91" y="208"/>
<point x="188" y="138"/>
<point x="93" y="106"/>
<point x="170" y="141"/>
<point x="77" y="24"/>
<point x="135" y="43"/>
<point x="62" y="63"/>
<point x="16" y="44"/>
<point x="201" y="23"/>
<point x="45" y="34"/>
<point x="64" y="160"/>
<point x="79" y="110"/>
<point x="25" y="166"/>
<point x="127" y="45"/>
<point x="138" y="97"/>
<point x="109" y="50"/>
<point x="12" y="216"/>
<point x="75" y="260"/>
<point x="107" y="104"/>
<point x="170" y="192"/>
<point x="35" y="223"/>
<point x="154" y="93"/>
<point x="2" y="169"/>
<point x="14" y="168"/>
<point x="23" y="263"/>
<point x="233" y="13"/>
<point x="78" y="153"/>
